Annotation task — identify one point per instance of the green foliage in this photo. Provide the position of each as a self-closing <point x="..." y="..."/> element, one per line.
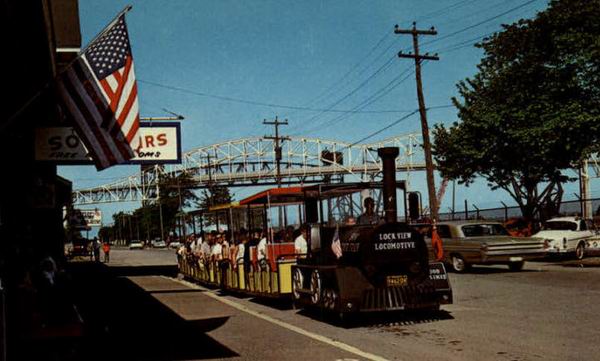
<point x="213" y="196"/>
<point x="144" y="223"/>
<point x="532" y="110"/>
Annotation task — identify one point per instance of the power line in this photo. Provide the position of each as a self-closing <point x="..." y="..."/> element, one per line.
<point x="368" y="101"/>
<point x="479" y="23"/>
<point x="252" y="102"/>
<point x="385" y="128"/>
<point x="354" y="67"/>
<point x="444" y="10"/>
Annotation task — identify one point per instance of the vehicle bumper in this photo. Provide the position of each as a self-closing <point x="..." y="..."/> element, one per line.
<point x="505" y="257"/>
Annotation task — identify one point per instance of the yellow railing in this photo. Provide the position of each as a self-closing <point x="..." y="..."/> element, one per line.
<point x="222" y="273"/>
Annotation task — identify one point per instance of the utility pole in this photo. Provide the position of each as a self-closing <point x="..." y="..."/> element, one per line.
<point x="422" y="110"/>
<point x="277" y="138"/>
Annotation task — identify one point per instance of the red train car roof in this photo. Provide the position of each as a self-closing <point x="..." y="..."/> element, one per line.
<point x="290" y="195"/>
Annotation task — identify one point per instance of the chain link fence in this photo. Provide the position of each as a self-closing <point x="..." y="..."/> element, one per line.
<point x="567" y="208"/>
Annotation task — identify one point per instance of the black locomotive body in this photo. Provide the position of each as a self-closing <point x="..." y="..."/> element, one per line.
<point x="382" y="268"/>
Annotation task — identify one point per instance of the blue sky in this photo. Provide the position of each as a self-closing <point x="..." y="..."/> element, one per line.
<point x="287" y="53"/>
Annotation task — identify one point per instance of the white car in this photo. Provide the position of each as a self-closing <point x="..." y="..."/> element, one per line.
<point x="136" y="245"/>
<point x="175" y="245"/>
<point x="159" y="244"/>
<point x="569" y="236"/>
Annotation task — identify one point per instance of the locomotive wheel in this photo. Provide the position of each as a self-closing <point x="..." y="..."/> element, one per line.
<point x="315" y="287"/>
<point x="297" y="283"/>
<point x="458" y="264"/>
<point x="329" y="298"/>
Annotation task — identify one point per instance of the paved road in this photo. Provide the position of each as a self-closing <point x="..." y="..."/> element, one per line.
<point x="546" y="312"/>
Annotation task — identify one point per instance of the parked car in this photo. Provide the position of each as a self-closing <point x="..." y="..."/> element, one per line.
<point x="175" y="245"/>
<point x="570" y="236"/>
<point x="78" y="248"/>
<point x="468" y="243"/>
<point x="135" y="244"/>
<point x="157" y="243"/>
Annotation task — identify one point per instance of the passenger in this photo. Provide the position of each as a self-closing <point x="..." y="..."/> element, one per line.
<point x="225" y="244"/>
<point x="300" y="244"/>
<point x="261" y="252"/>
<point x="289" y="234"/>
<point x="369" y="216"/>
<point x="217" y="249"/>
<point x="241" y="249"/>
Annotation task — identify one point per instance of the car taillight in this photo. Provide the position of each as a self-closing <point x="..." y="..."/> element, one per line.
<point x="484" y="247"/>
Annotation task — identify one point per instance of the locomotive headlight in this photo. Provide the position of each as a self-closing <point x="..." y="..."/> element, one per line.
<point x="415" y="267"/>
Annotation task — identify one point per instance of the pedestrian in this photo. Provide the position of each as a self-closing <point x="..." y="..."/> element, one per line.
<point x="96" y="246"/>
<point x="106" y="250"/>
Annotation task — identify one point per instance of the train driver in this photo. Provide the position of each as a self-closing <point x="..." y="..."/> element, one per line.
<point x="369" y="216"/>
<point x="300" y="244"/>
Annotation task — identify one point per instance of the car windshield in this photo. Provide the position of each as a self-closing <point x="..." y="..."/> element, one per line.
<point x="477" y="230"/>
<point x="560" y="226"/>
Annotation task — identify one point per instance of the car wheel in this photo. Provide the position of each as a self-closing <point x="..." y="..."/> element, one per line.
<point x="516" y="266"/>
<point x="580" y="250"/>
<point x="458" y="264"/>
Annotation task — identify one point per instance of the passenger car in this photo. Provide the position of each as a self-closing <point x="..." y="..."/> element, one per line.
<point x="135" y="244"/>
<point x="484" y="242"/>
<point x="569" y="236"/>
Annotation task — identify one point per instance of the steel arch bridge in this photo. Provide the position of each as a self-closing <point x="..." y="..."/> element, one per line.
<point x="252" y="161"/>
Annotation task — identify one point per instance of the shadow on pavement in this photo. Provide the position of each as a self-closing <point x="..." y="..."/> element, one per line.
<point x="377" y="319"/>
<point x="280" y="304"/>
<point x="494" y="270"/>
<point x="124" y="322"/>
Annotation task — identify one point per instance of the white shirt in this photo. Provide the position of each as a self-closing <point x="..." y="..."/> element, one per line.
<point x="300" y="245"/>
<point x="261" y="249"/>
<point x="205" y="249"/>
<point x="216" y="251"/>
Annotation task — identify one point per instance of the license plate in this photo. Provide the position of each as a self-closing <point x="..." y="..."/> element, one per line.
<point x="515" y="259"/>
<point x="401" y="280"/>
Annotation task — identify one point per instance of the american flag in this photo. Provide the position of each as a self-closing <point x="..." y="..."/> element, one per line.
<point x="336" y="245"/>
<point x="99" y="92"/>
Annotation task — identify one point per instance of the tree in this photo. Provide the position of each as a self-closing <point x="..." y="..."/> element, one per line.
<point x="532" y="110"/>
<point x="214" y="195"/>
<point x="176" y="194"/>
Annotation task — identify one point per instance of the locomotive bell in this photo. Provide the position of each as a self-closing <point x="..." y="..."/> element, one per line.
<point x="388" y="159"/>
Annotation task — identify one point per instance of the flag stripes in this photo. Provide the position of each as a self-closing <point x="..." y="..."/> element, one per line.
<point x="88" y="110"/>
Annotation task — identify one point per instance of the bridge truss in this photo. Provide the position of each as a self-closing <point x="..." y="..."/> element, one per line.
<point x="251" y="161"/>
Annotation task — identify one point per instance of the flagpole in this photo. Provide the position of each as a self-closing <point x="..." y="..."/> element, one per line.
<point x="45" y="87"/>
<point x="122" y="12"/>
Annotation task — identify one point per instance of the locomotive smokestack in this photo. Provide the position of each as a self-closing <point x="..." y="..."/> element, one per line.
<point x="388" y="159"/>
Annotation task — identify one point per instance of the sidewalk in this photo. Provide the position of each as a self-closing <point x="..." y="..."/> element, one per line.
<point x="121" y="321"/>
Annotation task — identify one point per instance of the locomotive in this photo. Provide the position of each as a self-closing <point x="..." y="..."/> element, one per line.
<point x="381" y="267"/>
<point x="348" y="268"/>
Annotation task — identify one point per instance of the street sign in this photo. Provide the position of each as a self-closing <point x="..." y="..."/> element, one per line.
<point x="157" y="143"/>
